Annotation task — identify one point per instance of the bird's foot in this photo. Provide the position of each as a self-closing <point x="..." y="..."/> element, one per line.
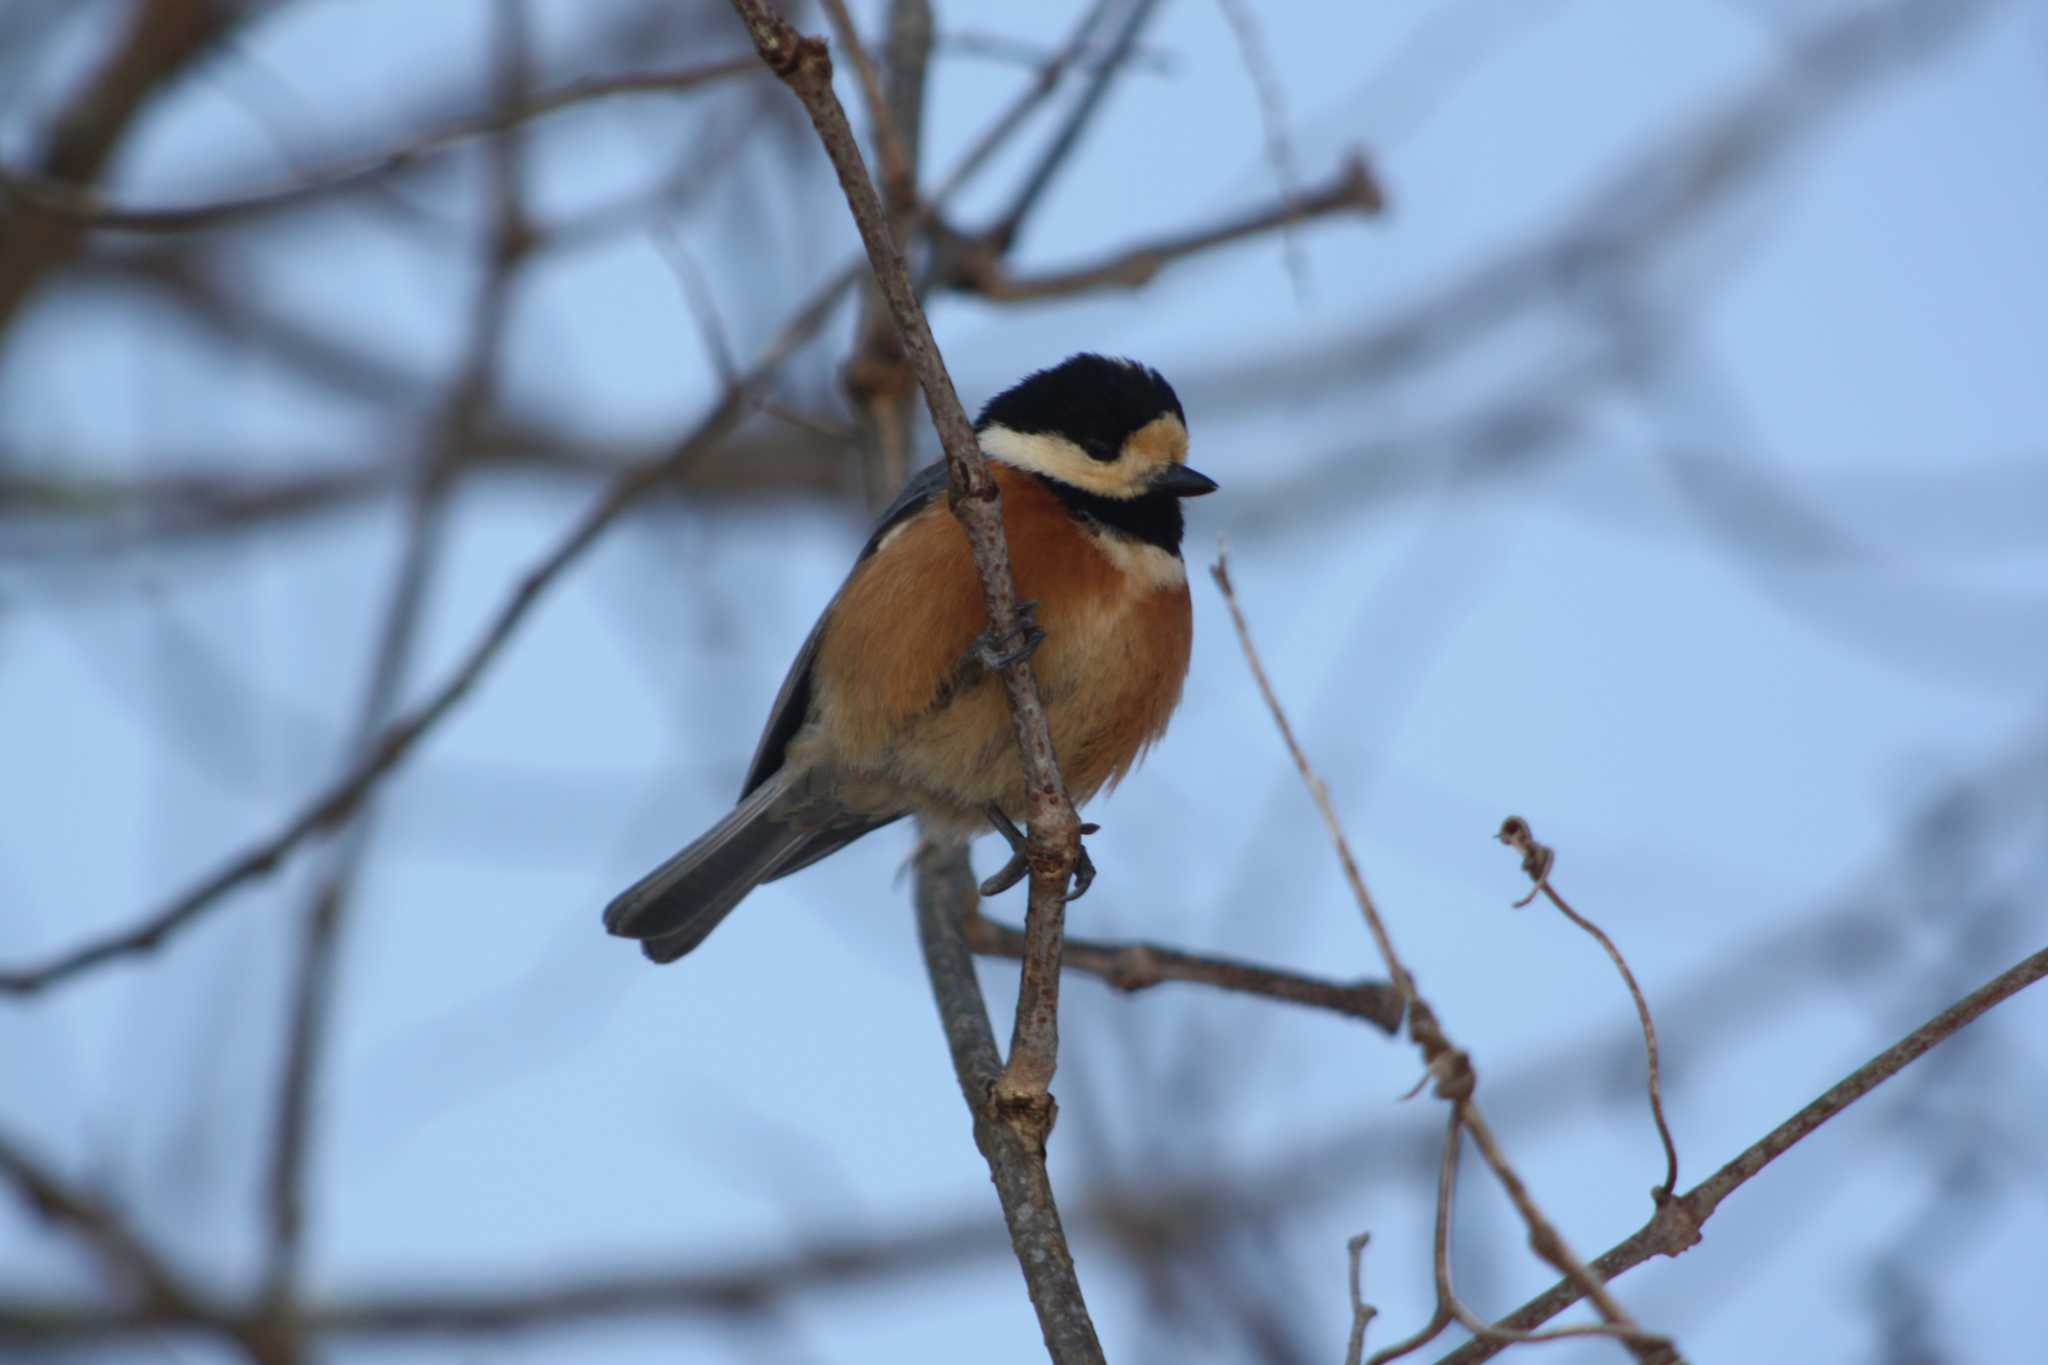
<point x="1019" y="866"/>
<point x="994" y="658"/>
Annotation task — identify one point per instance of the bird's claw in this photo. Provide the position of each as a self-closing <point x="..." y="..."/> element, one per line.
<point x="1019" y="866"/>
<point x="994" y="658"/>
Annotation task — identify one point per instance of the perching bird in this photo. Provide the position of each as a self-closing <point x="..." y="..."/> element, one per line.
<point x="892" y="705"/>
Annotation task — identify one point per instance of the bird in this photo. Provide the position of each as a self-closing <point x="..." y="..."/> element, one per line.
<point x="893" y="707"/>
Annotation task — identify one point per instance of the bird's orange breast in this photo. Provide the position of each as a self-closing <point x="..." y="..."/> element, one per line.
<point x="897" y="698"/>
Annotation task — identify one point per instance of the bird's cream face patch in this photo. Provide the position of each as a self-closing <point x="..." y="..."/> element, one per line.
<point x="1160" y="442"/>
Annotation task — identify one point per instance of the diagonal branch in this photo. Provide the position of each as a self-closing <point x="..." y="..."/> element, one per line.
<point x="108" y="1236"/>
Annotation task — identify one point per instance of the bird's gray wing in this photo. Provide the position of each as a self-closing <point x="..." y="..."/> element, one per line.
<point x="793" y="703"/>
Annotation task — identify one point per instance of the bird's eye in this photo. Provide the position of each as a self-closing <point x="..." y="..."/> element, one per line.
<point x="1100" y="449"/>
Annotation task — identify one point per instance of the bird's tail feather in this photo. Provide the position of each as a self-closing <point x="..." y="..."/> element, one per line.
<point x="674" y="907"/>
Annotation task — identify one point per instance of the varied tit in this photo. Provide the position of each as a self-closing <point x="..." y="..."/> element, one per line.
<point x="893" y="706"/>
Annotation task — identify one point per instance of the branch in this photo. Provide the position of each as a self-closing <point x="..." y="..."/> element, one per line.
<point x="1537" y="861"/>
<point x="1020" y="1094"/>
<point x="1445" y="1063"/>
<point x="1003" y="234"/>
<point x="101" y="1229"/>
<point x="339" y="800"/>
<point x="976" y="267"/>
<point x="438" y="464"/>
<point x="163" y="38"/>
<point x="75" y="204"/>
<point x="1016" y="1156"/>
<point x="1134" y="967"/>
<point x="805" y="66"/>
<point x="1675" y="1227"/>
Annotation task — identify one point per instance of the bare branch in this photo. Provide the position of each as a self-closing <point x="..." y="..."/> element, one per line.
<point x="1016" y="1155"/>
<point x="1133" y="967"/>
<point x="976" y="267"/>
<point x="1445" y="1063"/>
<point x="74" y="204"/>
<point x="1021" y="1093"/>
<point x="1675" y="1227"/>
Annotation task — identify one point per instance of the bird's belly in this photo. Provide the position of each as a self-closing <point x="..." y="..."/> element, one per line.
<point x="1109" y="673"/>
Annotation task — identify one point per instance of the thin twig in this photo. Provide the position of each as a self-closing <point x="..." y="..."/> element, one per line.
<point x="1537" y="860"/>
<point x="1447" y="1064"/>
<point x="1133" y="967"/>
<point x="1440" y="1315"/>
<point x="1675" y="1227"/>
<point x="1318" y="793"/>
<point x="1362" y="1313"/>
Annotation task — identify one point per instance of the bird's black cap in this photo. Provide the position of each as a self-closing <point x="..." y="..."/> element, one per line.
<point x="1092" y="400"/>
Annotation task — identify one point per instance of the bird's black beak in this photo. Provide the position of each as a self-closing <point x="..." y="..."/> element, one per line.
<point x="1181" y="482"/>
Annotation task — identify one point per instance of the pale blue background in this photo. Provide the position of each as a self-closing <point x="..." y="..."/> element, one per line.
<point x="1746" y="609"/>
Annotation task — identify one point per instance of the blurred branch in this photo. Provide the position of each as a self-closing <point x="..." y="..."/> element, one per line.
<point x="974" y="265"/>
<point x="163" y="37"/>
<point x="1272" y="95"/>
<point x="1001" y="47"/>
<point x="1675" y="1227"/>
<point x="60" y="514"/>
<point x="438" y="469"/>
<point x="339" y="800"/>
<point x="1003" y="233"/>
<point x="1134" y="967"/>
<point x="910" y="44"/>
<point x="57" y="198"/>
<point x="1643" y="212"/>
<point x="102" y="1230"/>
<point x="878" y="379"/>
